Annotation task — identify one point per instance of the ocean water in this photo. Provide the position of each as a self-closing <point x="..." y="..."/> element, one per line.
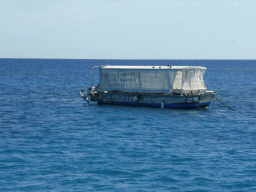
<point x="52" y="140"/>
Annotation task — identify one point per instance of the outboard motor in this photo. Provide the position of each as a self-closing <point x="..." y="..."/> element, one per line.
<point x="83" y="93"/>
<point x="91" y="89"/>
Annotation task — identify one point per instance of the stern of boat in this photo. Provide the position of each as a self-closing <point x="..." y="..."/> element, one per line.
<point x="90" y="95"/>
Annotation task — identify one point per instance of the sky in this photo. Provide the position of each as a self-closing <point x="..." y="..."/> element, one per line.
<point x="128" y="29"/>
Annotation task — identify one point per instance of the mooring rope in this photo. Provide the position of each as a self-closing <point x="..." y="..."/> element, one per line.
<point x="224" y="104"/>
<point x="198" y="106"/>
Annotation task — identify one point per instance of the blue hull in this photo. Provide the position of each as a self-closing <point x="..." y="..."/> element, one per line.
<point x="158" y="105"/>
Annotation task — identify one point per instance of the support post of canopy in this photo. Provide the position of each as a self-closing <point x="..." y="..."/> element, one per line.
<point x="92" y="73"/>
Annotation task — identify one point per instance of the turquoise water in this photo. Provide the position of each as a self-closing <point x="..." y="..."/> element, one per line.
<point x="52" y="140"/>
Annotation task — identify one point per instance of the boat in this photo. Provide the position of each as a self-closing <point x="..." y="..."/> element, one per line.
<point x="152" y="86"/>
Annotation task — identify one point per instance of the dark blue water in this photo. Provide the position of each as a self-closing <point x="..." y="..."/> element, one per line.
<point x="51" y="140"/>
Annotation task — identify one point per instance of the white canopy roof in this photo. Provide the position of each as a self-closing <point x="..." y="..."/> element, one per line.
<point x="151" y="67"/>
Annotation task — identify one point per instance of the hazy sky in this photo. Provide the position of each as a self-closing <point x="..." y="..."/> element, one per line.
<point x="131" y="29"/>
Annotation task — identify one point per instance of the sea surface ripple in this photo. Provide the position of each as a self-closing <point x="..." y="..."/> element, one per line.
<point x="52" y="140"/>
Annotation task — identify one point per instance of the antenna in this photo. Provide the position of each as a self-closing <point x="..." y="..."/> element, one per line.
<point x="92" y="76"/>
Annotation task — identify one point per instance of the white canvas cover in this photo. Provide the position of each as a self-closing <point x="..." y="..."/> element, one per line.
<point x="122" y="80"/>
<point x="154" y="81"/>
<point x="150" y="80"/>
<point x="192" y="80"/>
<point x="177" y="84"/>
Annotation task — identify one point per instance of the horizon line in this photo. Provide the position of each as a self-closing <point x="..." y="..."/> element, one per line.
<point x="120" y="59"/>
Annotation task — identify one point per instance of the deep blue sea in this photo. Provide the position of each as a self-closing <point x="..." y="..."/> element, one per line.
<point x="52" y="140"/>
